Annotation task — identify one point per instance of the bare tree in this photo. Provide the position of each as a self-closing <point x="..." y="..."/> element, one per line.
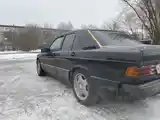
<point x="48" y="25"/>
<point x="114" y="25"/>
<point x="30" y="38"/>
<point x="90" y="26"/>
<point x="129" y="22"/>
<point x="65" y="26"/>
<point x="148" y="12"/>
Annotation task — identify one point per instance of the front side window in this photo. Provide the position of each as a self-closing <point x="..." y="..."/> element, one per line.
<point x="114" y="38"/>
<point x="57" y="43"/>
<point x="68" y="42"/>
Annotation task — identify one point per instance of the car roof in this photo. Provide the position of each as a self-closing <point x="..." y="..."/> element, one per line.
<point x="80" y="30"/>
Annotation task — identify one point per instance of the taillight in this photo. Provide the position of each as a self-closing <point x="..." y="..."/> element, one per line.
<point x="137" y="72"/>
<point x="132" y="72"/>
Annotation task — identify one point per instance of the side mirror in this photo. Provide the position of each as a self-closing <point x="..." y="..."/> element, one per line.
<point x="45" y="50"/>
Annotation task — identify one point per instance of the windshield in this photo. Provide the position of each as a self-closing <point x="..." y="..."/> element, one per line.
<point x="114" y="38"/>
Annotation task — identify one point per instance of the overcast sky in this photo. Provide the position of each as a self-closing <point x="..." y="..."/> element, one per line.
<point x="21" y="12"/>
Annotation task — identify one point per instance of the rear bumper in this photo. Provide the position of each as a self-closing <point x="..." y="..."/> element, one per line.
<point x="107" y="88"/>
<point x="143" y="90"/>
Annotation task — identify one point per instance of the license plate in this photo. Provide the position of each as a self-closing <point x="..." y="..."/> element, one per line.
<point x="158" y="68"/>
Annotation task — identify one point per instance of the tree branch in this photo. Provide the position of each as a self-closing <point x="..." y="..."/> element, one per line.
<point x="134" y="9"/>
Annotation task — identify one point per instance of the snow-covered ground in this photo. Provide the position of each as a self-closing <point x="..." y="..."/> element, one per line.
<point x="18" y="56"/>
<point x="10" y="52"/>
<point x="25" y="96"/>
<point x="15" y="52"/>
<point x="38" y="50"/>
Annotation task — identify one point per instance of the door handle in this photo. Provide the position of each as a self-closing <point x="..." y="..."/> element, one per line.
<point x="55" y="54"/>
<point x="73" y="54"/>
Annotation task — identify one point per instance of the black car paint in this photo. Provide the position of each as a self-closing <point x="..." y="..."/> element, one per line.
<point x="105" y="65"/>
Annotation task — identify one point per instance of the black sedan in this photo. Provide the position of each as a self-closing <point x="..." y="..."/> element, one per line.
<point x="98" y="63"/>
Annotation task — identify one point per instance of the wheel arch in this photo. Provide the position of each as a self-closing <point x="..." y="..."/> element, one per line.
<point x="76" y="67"/>
<point x="37" y="59"/>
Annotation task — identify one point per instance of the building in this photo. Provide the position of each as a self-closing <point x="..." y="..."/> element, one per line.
<point x="7" y="45"/>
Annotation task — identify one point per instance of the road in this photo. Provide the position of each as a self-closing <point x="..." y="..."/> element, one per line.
<point x="25" y="96"/>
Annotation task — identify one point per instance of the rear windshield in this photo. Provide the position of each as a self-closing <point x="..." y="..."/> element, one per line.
<point x="114" y="38"/>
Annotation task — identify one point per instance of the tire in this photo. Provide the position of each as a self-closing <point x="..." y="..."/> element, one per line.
<point x="40" y="71"/>
<point x="92" y="97"/>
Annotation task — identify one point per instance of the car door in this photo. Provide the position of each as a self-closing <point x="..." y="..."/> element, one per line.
<point x="63" y="63"/>
<point x="52" y="57"/>
<point x="82" y="43"/>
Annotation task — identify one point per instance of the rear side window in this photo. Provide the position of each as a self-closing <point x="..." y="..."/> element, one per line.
<point x="83" y="40"/>
<point x="114" y="38"/>
<point x="68" y="42"/>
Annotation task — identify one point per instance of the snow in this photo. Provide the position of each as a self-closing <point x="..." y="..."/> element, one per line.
<point x="20" y="56"/>
<point x="26" y="96"/>
<point x="8" y="52"/>
<point x="19" y="51"/>
<point x="38" y="50"/>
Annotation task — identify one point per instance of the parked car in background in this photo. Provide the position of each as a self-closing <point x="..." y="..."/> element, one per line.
<point x="146" y="41"/>
<point x="98" y="63"/>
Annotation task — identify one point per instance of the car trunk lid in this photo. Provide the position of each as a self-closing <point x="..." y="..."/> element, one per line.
<point x="151" y="53"/>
